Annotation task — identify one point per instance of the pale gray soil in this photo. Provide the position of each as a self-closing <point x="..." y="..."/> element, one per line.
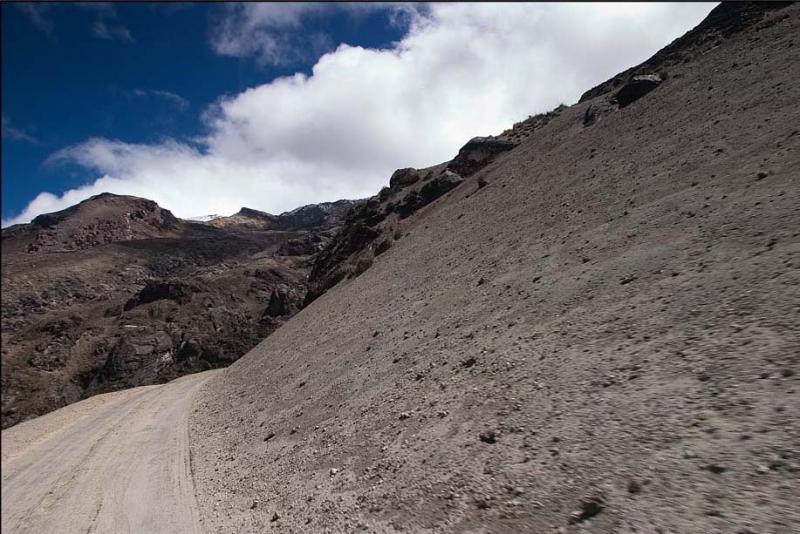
<point x="117" y="462"/>
<point x="614" y="316"/>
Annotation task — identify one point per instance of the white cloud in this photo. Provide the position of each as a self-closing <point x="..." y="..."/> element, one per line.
<point x="171" y="98"/>
<point x="11" y="133"/>
<point x="270" y="32"/>
<point x="37" y="14"/>
<point x="106" y="23"/>
<point x="103" y="30"/>
<point x="277" y="34"/>
<point x="462" y="70"/>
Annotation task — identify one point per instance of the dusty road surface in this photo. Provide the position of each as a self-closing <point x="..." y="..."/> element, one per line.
<point x="112" y="463"/>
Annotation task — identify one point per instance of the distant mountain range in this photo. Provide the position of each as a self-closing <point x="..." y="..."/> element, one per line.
<point x="117" y="292"/>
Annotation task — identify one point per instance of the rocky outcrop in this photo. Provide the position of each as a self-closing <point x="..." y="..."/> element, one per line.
<point x="477" y="153"/>
<point x="338" y="259"/>
<point x="430" y="191"/>
<point x="370" y="227"/>
<point x="402" y="178"/>
<point x="285" y="301"/>
<point x="636" y="88"/>
<point x="325" y="215"/>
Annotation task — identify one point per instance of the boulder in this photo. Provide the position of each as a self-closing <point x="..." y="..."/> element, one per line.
<point x="402" y="178"/>
<point x="439" y="186"/>
<point x="596" y="111"/>
<point x="176" y="291"/>
<point x="477" y="153"/>
<point x="636" y="88"/>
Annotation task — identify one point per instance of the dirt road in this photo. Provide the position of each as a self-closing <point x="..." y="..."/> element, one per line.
<point x="112" y="463"/>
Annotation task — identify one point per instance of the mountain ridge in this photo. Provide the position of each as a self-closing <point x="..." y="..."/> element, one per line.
<point x="116" y="292"/>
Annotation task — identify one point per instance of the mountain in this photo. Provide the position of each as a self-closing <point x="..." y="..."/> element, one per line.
<point x="588" y="324"/>
<point x="117" y="292"/>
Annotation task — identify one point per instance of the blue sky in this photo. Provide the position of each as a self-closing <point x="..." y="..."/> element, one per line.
<point x="63" y="82"/>
<point x="208" y="107"/>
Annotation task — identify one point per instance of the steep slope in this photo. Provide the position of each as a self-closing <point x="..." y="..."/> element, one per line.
<point x="598" y="331"/>
<point x="117" y="292"/>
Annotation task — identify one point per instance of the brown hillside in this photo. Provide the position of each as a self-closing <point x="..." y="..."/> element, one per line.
<point x="116" y="292"/>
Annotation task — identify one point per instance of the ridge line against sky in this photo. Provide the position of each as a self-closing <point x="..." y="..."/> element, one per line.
<point x="338" y="127"/>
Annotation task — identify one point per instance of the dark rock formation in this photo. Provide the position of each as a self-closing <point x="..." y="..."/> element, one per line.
<point x="302" y="246"/>
<point x="429" y="192"/>
<point x="285" y="301"/>
<point x="403" y="177"/>
<point x="636" y="88"/>
<point x="477" y="153"/>
<point x="177" y="291"/>
<point x="331" y="265"/>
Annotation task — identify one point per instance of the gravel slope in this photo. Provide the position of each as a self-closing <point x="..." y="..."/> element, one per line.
<point x="113" y="463"/>
<point x="603" y="338"/>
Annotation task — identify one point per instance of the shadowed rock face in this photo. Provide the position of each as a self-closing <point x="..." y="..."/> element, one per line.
<point x="637" y="88"/>
<point x="117" y="292"/>
<point x="285" y="301"/>
<point x="177" y="291"/>
<point x="402" y="178"/>
<point x="477" y="153"/>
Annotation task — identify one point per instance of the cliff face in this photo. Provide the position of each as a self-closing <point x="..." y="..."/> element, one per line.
<point x="117" y="292"/>
<point x="595" y="331"/>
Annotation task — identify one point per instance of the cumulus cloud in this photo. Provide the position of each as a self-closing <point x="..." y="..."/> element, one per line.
<point x="461" y="70"/>
<point x="270" y="32"/>
<point x="277" y="34"/>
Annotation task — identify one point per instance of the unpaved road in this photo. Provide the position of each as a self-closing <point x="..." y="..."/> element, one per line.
<point x="112" y="463"/>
